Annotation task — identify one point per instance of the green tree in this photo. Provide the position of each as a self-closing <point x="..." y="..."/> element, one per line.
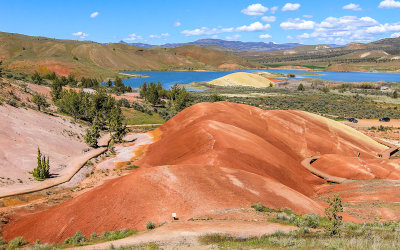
<point x="143" y="90"/>
<point x="182" y="100"/>
<point x="40" y="101"/>
<point x="300" y="87"/>
<point x="331" y="213"/>
<point x="36" y="78"/>
<point x="93" y="133"/>
<point x="42" y="170"/>
<point x="56" y="90"/>
<point x="117" y="128"/>
<point x="152" y="94"/>
<point x="395" y="94"/>
<point x="109" y="83"/>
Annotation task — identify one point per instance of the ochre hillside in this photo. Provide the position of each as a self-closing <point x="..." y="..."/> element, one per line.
<point x="243" y="79"/>
<point x="27" y="54"/>
<point x="210" y="157"/>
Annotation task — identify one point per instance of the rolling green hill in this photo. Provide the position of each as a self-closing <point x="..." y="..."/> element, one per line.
<point x="28" y="54"/>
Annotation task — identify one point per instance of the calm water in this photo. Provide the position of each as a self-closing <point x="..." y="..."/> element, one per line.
<point x="169" y="78"/>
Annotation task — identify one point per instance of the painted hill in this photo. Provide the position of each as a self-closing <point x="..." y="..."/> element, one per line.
<point x="243" y="79"/>
<point x="27" y="54"/>
<point x="211" y="157"/>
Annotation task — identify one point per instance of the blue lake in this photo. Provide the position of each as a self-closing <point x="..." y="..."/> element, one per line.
<point x="169" y="78"/>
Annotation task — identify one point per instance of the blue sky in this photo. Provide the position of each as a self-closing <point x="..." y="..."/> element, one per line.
<point x="171" y="21"/>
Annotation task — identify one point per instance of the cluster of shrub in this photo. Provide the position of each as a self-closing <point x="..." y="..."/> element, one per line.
<point x="119" y="87"/>
<point x="178" y="97"/>
<point x="99" y="109"/>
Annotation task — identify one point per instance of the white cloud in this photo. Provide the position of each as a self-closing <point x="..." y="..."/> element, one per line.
<point x="80" y="34"/>
<point x="307" y="16"/>
<point x="177" y="24"/>
<point x="133" y="37"/>
<point x="395" y="35"/>
<point x="257" y="26"/>
<point x="214" y="36"/>
<point x="265" y="36"/>
<point x="159" y="36"/>
<point x="347" y="29"/>
<point x="352" y="6"/>
<point x="233" y="37"/>
<point x="291" y="7"/>
<point x="303" y="36"/>
<point x="297" y="24"/>
<point x="274" y="9"/>
<point x="389" y="4"/>
<point x="269" y="19"/>
<point x="94" y="14"/>
<point x="289" y="37"/>
<point x="206" y="31"/>
<point x="255" y="10"/>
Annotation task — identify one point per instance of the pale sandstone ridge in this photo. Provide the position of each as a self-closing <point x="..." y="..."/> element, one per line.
<point x="210" y="157"/>
<point x="243" y="79"/>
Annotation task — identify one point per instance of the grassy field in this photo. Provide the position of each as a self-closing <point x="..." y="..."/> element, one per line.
<point x="134" y="117"/>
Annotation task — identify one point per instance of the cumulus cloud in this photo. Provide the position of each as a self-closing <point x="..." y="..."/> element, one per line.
<point x="297" y="24"/>
<point x="256" y="9"/>
<point x="395" y="35"/>
<point x="291" y="7"/>
<point x="80" y="34"/>
<point x="177" y="24"/>
<point x="352" y="6"/>
<point x="206" y="31"/>
<point x="307" y="16"/>
<point x="94" y="14"/>
<point x="160" y="36"/>
<point x="133" y="37"/>
<point x="257" y="26"/>
<point x="233" y="37"/>
<point x="265" y="36"/>
<point x="388" y="4"/>
<point x="274" y="9"/>
<point x="269" y="19"/>
<point x="342" y="30"/>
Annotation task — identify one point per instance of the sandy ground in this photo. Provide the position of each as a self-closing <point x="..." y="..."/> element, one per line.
<point x="185" y="234"/>
<point x="22" y="132"/>
<point x="243" y="79"/>
<point x="126" y="152"/>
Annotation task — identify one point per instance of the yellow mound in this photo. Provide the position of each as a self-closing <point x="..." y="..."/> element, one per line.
<point x="243" y="79"/>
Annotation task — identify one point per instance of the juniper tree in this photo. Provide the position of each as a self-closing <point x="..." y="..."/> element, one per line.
<point x="40" y="101"/>
<point x="117" y="128"/>
<point x="42" y="170"/>
<point x="93" y="133"/>
<point x="331" y="213"/>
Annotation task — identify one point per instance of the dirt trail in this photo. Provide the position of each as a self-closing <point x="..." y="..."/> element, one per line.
<point x="185" y="234"/>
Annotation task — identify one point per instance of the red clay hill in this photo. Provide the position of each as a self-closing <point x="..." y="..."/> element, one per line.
<point x="211" y="157"/>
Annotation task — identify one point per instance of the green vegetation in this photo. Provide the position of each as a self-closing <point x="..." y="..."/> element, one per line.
<point x="134" y="117"/>
<point x="301" y="87"/>
<point x="17" y="243"/>
<point x="332" y="213"/>
<point x="150" y="225"/>
<point x="40" y="101"/>
<point x="42" y="170"/>
<point x="385" y="235"/>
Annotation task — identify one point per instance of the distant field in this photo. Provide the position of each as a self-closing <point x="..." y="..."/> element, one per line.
<point x="134" y="117"/>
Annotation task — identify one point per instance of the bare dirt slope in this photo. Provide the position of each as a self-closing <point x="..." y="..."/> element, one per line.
<point x="27" y="54"/>
<point x="22" y="131"/>
<point x="243" y="79"/>
<point x="211" y="156"/>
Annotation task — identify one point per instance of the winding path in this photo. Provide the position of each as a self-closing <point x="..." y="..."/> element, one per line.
<point x="386" y="154"/>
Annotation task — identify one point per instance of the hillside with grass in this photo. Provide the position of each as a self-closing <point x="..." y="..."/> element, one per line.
<point x="28" y="54"/>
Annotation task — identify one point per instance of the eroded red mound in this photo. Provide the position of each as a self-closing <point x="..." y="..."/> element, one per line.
<point x="211" y="157"/>
<point x="358" y="169"/>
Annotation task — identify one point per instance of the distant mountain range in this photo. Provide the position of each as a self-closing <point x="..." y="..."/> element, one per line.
<point x="223" y="45"/>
